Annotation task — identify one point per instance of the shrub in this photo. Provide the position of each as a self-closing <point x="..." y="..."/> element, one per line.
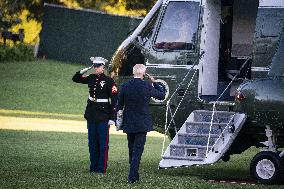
<point x="18" y="52"/>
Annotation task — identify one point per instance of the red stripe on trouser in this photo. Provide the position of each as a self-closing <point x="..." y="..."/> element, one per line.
<point x="106" y="151"/>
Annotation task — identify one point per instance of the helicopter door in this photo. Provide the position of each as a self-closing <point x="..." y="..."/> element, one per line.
<point x="243" y="30"/>
<point x="269" y="24"/>
<point x="173" y="48"/>
<point x="172" y="53"/>
<point x="244" y="19"/>
<point x="210" y="35"/>
<point x="174" y="40"/>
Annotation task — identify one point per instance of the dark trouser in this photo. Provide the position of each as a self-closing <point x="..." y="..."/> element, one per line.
<point x="136" y="142"/>
<point x="98" y="137"/>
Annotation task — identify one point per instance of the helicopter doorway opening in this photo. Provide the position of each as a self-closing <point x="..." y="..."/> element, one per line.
<point x="227" y="42"/>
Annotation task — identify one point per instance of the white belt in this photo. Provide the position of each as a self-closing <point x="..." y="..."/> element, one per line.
<point x="98" y="100"/>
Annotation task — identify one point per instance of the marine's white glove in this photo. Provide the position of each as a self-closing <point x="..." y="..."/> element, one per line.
<point x="85" y="70"/>
<point x="111" y="122"/>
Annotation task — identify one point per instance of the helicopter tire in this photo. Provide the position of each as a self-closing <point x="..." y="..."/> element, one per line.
<point x="267" y="168"/>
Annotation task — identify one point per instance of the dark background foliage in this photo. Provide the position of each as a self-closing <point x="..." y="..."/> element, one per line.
<point x="9" y="9"/>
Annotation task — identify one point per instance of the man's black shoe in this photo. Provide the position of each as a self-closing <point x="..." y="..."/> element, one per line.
<point x="133" y="181"/>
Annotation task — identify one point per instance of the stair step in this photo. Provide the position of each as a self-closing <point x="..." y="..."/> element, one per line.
<point x="183" y="158"/>
<point x="198" y="135"/>
<point x="218" y="117"/>
<point x="192" y="151"/>
<point x="189" y="146"/>
<point x="204" y="127"/>
<point x="196" y="139"/>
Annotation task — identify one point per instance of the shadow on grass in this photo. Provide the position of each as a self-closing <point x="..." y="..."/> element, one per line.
<point x="223" y="171"/>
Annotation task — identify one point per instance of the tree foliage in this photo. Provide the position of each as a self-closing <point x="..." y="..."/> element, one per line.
<point x="121" y="8"/>
<point x="10" y="9"/>
<point x="31" y="28"/>
<point x="140" y="4"/>
<point x="25" y="13"/>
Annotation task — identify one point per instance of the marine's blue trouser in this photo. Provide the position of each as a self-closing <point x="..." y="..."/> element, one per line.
<point x="136" y="142"/>
<point x="98" y="137"/>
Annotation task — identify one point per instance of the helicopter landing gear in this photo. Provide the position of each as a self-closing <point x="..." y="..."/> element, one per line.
<point x="267" y="167"/>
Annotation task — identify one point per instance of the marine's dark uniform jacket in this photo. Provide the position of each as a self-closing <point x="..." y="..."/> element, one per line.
<point x="100" y="87"/>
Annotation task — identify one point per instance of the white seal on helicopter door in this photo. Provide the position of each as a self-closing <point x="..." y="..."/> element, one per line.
<point x="164" y="83"/>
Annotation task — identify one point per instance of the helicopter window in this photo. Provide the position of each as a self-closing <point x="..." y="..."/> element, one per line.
<point x="179" y="25"/>
<point x="146" y="33"/>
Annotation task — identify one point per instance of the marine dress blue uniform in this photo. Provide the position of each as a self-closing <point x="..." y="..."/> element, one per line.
<point x="133" y="99"/>
<point x="99" y="110"/>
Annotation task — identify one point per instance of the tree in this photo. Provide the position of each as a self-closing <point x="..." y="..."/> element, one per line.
<point x="24" y="13"/>
<point x="11" y="9"/>
<point x="140" y="4"/>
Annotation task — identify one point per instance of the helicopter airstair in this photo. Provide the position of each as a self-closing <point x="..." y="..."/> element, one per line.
<point x="203" y="139"/>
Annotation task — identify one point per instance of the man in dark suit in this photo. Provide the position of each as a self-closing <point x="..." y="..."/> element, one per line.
<point x="133" y="99"/>
<point x="100" y="111"/>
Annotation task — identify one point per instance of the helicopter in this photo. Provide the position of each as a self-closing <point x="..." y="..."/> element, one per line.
<point x="220" y="62"/>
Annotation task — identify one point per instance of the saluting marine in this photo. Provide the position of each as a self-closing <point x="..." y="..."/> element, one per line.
<point x="99" y="112"/>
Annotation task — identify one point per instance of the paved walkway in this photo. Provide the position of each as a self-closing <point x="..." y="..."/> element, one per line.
<point x="44" y="124"/>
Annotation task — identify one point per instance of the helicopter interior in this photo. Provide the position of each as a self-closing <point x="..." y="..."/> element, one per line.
<point x="228" y="47"/>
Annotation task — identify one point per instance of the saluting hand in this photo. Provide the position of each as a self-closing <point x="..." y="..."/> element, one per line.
<point x="151" y="78"/>
<point x="85" y="70"/>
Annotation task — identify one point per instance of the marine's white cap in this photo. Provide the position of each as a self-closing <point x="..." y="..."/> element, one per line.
<point x="98" y="61"/>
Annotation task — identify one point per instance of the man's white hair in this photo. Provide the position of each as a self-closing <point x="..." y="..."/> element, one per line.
<point x="139" y="69"/>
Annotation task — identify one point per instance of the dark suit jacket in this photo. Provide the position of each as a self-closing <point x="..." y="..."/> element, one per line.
<point x="134" y="98"/>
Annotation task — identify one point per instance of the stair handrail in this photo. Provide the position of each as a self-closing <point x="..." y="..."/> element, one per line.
<point x="233" y="79"/>
<point x="189" y="84"/>
<point x="189" y="71"/>
<point x="210" y="128"/>
<point x="167" y="109"/>
<point x="166" y="127"/>
<point x="214" y="104"/>
<point x="223" y="131"/>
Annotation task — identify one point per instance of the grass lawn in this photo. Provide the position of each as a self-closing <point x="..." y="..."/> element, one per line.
<point x="41" y="86"/>
<point x="60" y="160"/>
